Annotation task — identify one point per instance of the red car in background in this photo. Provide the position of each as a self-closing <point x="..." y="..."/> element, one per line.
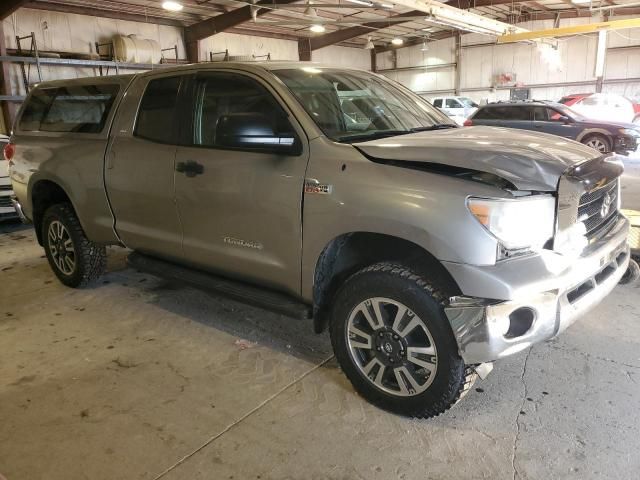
<point x="574" y="98"/>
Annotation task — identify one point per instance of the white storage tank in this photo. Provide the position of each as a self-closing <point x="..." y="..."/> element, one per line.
<point x="134" y="49"/>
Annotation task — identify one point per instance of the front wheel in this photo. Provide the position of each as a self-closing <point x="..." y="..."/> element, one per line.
<point x="394" y="342"/>
<point x="598" y="142"/>
<point x="74" y="259"/>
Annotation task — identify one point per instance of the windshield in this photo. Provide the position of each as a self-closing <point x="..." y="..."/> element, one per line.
<point x="467" y="102"/>
<point x="351" y="106"/>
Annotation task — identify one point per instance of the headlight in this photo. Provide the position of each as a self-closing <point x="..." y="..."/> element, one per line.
<point x="519" y="223"/>
<point x="629" y="132"/>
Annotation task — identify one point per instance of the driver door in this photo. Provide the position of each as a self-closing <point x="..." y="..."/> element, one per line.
<point x="240" y="208"/>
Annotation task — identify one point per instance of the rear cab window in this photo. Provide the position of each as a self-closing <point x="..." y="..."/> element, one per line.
<point x="158" y="110"/>
<point x="69" y="109"/>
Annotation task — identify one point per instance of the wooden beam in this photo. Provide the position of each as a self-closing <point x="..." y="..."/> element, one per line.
<point x="220" y="23"/>
<point x="102" y="12"/>
<point x="7" y="7"/>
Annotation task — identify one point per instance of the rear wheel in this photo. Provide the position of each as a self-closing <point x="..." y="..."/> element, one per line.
<point x="394" y="342"/>
<point x="74" y="259"/>
<point x="598" y="142"/>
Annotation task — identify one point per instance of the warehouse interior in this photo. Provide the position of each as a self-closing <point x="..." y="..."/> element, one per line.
<point x="139" y="376"/>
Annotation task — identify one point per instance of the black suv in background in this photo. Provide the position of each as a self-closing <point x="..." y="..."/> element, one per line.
<point x="557" y="119"/>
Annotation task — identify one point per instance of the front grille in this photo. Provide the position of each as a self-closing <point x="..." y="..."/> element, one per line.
<point x="5" y="188"/>
<point x="5" y="202"/>
<point x="592" y="207"/>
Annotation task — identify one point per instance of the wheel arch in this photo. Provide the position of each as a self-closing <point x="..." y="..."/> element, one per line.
<point x="43" y="194"/>
<point x="349" y="252"/>
<point x="595" y="131"/>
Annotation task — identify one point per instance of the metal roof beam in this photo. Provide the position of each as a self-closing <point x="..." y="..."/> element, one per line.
<point x="7" y="7"/>
<point x="220" y="23"/>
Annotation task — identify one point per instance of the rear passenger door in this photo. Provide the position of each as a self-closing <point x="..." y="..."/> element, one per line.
<point x="517" y="116"/>
<point x="139" y="166"/>
<point x="240" y="208"/>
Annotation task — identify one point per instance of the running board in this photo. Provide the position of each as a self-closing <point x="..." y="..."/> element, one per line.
<point x="243" y="292"/>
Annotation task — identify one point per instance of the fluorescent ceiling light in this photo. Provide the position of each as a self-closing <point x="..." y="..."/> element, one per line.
<point x="397" y="41"/>
<point x="361" y="2"/>
<point x="369" y="45"/>
<point x="172" y="6"/>
<point x="317" y="28"/>
<point x="580" y="2"/>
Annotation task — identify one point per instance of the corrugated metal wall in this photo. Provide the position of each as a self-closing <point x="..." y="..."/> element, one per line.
<point x="76" y="33"/>
<point x="573" y="61"/>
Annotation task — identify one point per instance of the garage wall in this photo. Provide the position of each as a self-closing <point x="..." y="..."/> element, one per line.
<point x="573" y="62"/>
<point x="244" y="45"/>
<point x="76" y="33"/>
<point x="343" y="56"/>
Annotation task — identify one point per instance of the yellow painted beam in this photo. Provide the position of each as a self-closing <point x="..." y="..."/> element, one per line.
<point x="575" y="30"/>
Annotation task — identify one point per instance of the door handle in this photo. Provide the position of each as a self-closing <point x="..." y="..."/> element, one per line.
<point x="190" y="168"/>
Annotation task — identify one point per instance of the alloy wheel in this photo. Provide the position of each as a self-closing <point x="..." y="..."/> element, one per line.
<point x="392" y="347"/>
<point x="597" y="144"/>
<point x="61" y="247"/>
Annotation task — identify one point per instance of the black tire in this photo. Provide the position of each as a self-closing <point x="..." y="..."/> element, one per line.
<point x="632" y="273"/>
<point x="392" y="281"/>
<point x="89" y="259"/>
<point x="601" y="139"/>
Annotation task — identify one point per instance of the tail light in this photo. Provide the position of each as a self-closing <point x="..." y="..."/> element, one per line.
<point x="9" y="151"/>
<point x="468" y="122"/>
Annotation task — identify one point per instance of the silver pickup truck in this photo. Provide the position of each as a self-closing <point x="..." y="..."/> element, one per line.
<point x="333" y="194"/>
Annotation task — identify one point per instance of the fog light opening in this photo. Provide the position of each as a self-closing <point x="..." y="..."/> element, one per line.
<point x="520" y="322"/>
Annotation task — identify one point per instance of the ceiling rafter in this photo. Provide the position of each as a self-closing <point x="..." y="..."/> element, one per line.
<point x="9" y="6"/>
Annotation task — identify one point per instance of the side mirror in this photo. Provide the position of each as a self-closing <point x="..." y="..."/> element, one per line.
<point x="253" y="131"/>
<point x="564" y="119"/>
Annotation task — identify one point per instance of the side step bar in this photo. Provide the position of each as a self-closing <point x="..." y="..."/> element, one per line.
<point x="243" y="292"/>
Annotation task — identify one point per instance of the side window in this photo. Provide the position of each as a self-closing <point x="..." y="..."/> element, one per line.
<point x="437" y="103"/>
<point x="486" y="113"/>
<point x="540" y="114"/>
<point x="452" y="103"/>
<point x="76" y="108"/>
<point x="520" y="113"/>
<point x="554" y="115"/>
<point x="158" y="110"/>
<point x="224" y="99"/>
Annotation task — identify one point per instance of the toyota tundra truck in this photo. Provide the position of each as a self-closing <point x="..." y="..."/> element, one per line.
<point x="428" y="251"/>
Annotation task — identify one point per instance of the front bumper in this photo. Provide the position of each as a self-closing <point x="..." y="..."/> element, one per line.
<point x="625" y="144"/>
<point x="512" y="305"/>
<point x="6" y="207"/>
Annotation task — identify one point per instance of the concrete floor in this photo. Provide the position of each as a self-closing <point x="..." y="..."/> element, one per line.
<point x="137" y="378"/>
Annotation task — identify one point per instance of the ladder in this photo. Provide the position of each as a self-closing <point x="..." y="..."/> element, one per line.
<point x="33" y="52"/>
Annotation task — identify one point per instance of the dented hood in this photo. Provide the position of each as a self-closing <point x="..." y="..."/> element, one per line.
<point x="529" y="160"/>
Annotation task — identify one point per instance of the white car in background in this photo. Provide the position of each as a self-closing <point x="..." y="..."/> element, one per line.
<point x="457" y="108"/>
<point x="6" y="207"/>
<point x="610" y="107"/>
